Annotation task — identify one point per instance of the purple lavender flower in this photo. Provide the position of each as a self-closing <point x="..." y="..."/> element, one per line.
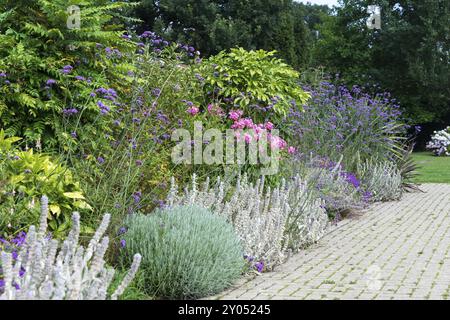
<point x="67" y="69"/>
<point x="70" y="111"/>
<point x="417" y="129"/>
<point x="51" y="82"/>
<point x="122" y="230"/>
<point x="19" y="240"/>
<point x="112" y="92"/>
<point x="161" y="204"/>
<point x="147" y="34"/>
<point x="104" y="109"/>
<point x="156" y="92"/>
<point x="249" y="258"/>
<point x="102" y="91"/>
<point x="351" y="178"/>
<point x="367" y="195"/>
<point x="259" y="266"/>
<point x="100" y="160"/>
<point x="136" y="196"/>
<point x="123" y="243"/>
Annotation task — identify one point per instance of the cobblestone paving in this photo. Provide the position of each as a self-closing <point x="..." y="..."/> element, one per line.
<point x="395" y="250"/>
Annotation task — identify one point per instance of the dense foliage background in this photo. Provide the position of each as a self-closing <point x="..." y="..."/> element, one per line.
<point x="409" y="55"/>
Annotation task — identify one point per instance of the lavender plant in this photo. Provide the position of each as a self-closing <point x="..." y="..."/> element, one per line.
<point x="338" y="121"/>
<point x="382" y="179"/>
<point x="339" y="189"/>
<point x="440" y="142"/>
<point x="269" y="222"/>
<point x="41" y="271"/>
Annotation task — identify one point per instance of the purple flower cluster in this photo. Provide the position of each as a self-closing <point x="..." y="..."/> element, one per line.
<point x="258" y="265"/>
<point x="51" y="82"/>
<point x="12" y="246"/>
<point x="69" y="111"/>
<point x="344" y="121"/>
<point x="113" y="53"/>
<point x="158" y="44"/>
<point x="3" y="77"/>
<point x="136" y="197"/>
<point x="67" y="69"/>
<point x="108" y="94"/>
<point x="155" y="41"/>
<point x="351" y="178"/>
<point x="104" y="109"/>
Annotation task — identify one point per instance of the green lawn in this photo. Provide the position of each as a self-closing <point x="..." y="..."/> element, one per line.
<point x="431" y="168"/>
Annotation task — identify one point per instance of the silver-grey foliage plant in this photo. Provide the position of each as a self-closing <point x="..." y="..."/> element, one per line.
<point x="68" y="272"/>
<point x="382" y="179"/>
<point x="337" y="193"/>
<point x="270" y="223"/>
<point x="188" y="252"/>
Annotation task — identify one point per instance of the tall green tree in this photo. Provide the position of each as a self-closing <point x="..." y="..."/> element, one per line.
<point x="215" y="25"/>
<point x="409" y="56"/>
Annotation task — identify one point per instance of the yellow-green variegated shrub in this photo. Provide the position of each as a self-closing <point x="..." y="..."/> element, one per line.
<point x="25" y="176"/>
<point x="255" y="80"/>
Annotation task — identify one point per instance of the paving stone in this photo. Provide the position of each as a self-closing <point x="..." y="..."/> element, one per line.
<point x="394" y="250"/>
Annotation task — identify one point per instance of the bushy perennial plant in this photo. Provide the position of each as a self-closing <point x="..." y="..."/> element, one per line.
<point x="51" y="68"/>
<point x="382" y="179"/>
<point x="440" y="142"/>
<point x="338" y="121"/>
<point x="25" y="176"/>
<point x="270" y="222"/>
<point x="188" y="252"/>
<point x="255" y="80"/>
<point x="41" y="271"/>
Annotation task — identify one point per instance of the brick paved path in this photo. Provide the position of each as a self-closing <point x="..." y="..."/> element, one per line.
<point x="395" y="250"/>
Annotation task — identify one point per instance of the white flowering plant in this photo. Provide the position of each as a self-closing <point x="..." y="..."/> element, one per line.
<point x="42" y="269"/>
<point x="440" y="142"/>
<point x="270" y="222"/>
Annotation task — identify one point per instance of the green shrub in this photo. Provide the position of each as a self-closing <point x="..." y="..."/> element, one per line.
<point x="25" y="176"/>
<point x="127" y="169"/>
<point x="188" y="252"/>
<point x="48" y="69"/>
<point x="254" y="78"/>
